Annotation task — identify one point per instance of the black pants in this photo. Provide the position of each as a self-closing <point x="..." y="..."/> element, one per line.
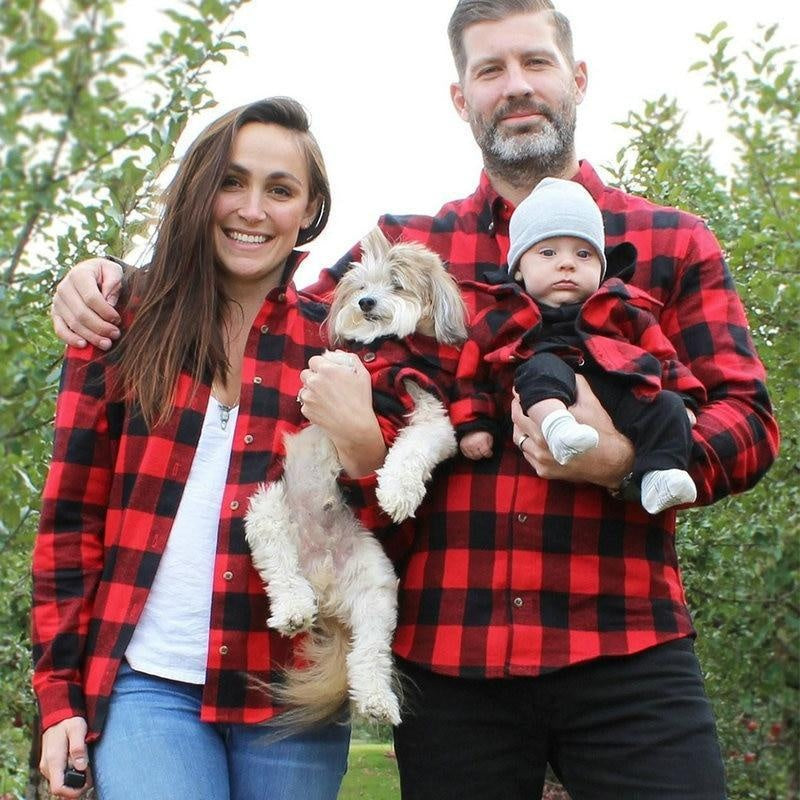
<point x="635" y="727"/>
<point x="659" y="429"/>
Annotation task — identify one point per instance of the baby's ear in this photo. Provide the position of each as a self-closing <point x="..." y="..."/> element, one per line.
<point x="375" y="245"/>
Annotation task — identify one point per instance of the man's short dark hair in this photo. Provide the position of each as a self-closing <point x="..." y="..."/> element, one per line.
<point x="470" y="12"/>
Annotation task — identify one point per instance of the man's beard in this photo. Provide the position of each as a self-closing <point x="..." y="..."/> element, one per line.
<point x="531" y="151"/>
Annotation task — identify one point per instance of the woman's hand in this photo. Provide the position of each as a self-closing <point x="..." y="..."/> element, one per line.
<point x="64" y="745"/>
<point x="83" y="305"/>
<point x="337" y="396"/>
<point x="605" y="465"/>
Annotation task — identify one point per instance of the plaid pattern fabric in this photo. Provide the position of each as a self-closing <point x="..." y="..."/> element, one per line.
<point x="108" y="506"/>
<point x="616" y="326"/>
<point x="504" y="573"/>
<point x="391" y="361"/>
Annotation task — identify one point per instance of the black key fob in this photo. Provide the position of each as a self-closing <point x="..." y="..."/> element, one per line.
<point x="74" y="778"/>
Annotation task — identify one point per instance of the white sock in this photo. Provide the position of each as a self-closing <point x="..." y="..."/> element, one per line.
<point x="566" y="437"/>
<point x="664" y="488"/>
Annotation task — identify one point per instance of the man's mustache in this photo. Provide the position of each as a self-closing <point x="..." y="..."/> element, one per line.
<point x="522" y="106"/>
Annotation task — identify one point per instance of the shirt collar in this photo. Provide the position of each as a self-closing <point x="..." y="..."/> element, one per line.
<point x="501" y="209"/>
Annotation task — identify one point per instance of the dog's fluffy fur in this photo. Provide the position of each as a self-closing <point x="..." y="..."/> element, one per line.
<point x="323" y="572"/>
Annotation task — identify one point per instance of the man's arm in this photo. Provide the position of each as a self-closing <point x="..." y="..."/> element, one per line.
<point x="83" y="305"/>
<point x="736" y="436"/>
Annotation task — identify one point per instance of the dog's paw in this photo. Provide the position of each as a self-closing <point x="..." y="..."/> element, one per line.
<point x="381" y="706"/>
<point x="294" y="612"/>
<point x="399" y="498"/>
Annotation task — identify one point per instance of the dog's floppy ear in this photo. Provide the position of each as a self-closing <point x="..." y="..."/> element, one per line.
<point x="449" y="312"/>
<point x="375" y="245"/>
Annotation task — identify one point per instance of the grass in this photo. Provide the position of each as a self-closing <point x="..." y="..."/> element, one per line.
<point x="371" y="773"/>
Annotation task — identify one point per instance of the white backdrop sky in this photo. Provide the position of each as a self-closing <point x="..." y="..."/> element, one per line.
<point x="375" y="78"/>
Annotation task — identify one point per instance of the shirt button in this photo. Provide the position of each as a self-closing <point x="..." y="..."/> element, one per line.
<point x="223" y="651"/>
<point x="227" y="575"/>
<point x="281" y="297"/>
<point x="235" y="504"/>
<point x="257" y="379"/>
<point x="522" y="517"/>
<point x="518" y="602"/>
<point x="265" y="329"/>
<point x="248" y="439"/>
<point x="368" y="357"/>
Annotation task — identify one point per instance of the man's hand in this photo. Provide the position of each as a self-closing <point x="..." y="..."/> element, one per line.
<point x="337" y="396"/>
<point x="83" y="306"/>
<point x="62" y="745"/>
<point x="605" y="465"/>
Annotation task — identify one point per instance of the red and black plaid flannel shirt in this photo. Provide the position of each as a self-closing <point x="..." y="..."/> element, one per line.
<point x="391" y="362"/>
<point x="504" y="573"/>
<point x="109" y="503"/>
<point x="616" y="326"/>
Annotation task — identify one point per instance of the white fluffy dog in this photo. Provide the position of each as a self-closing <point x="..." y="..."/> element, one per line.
<point x="323" y="572"/>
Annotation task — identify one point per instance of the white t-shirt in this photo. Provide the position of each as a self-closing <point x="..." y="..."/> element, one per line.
<point x="171" y="637"/>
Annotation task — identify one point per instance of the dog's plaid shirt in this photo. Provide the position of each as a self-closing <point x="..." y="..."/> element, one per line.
<point x="108" y="507"/>
<point x="391" y="361"/>
<point x="615" y="327"/>
<point x="504" y="573"/>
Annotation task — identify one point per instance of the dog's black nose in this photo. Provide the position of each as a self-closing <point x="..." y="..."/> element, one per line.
<point x="366" y="303"/>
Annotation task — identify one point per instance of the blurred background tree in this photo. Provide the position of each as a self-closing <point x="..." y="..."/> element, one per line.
<point x="85" y="128"/>
<point x="740" y="557"/>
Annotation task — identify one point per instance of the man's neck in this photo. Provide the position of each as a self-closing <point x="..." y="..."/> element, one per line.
<point x="517" y="185"/>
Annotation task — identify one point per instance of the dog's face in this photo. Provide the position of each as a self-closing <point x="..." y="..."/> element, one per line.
<point x="396" y="290"/>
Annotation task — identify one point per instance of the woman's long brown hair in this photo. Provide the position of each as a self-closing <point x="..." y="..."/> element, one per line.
<point x="178" y="301"/>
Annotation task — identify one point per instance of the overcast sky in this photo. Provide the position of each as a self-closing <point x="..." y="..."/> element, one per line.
<point x="375" y="78"/>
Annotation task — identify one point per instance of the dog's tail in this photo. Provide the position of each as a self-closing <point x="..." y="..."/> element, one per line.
<point x="315" y="691"/>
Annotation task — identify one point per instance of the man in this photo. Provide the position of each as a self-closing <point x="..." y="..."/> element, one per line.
<point x="542" y="617"/>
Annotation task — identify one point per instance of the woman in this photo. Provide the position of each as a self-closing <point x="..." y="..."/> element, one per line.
<point x="149" y="622"/>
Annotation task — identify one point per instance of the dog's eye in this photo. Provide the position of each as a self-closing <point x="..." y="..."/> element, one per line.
<point x="397" y="285"/>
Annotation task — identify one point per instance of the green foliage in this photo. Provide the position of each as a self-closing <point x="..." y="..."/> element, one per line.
<point x="85" y="128"/>
<point x="740" y="557"/>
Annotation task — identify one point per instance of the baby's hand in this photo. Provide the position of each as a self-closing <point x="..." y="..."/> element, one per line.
<point x="477" y="445"/>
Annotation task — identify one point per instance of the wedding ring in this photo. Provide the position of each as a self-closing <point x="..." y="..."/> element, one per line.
<point x="522" y="440"/>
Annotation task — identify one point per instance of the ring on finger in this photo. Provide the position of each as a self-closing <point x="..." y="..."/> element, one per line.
<point x="300" y="396"/>
<point x="522" y="440"/>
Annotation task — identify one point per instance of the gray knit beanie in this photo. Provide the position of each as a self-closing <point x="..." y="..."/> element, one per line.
<point x="555" y="208"/>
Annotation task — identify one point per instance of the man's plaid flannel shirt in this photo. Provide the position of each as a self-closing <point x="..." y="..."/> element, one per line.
<point x="503" y="573"/>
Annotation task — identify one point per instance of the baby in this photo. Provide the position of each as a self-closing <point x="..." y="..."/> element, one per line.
<point x="563" y="323"/>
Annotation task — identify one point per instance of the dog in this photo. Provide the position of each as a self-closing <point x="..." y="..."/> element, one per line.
<point x="324" y="573"/>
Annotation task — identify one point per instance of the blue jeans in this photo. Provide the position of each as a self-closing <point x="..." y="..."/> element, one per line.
<point x="155" y="746"/>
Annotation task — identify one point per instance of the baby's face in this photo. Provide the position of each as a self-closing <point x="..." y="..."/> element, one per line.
<point x="561" y="270"/>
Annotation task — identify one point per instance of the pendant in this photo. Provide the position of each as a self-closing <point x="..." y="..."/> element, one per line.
<point x="224" y="415"/>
